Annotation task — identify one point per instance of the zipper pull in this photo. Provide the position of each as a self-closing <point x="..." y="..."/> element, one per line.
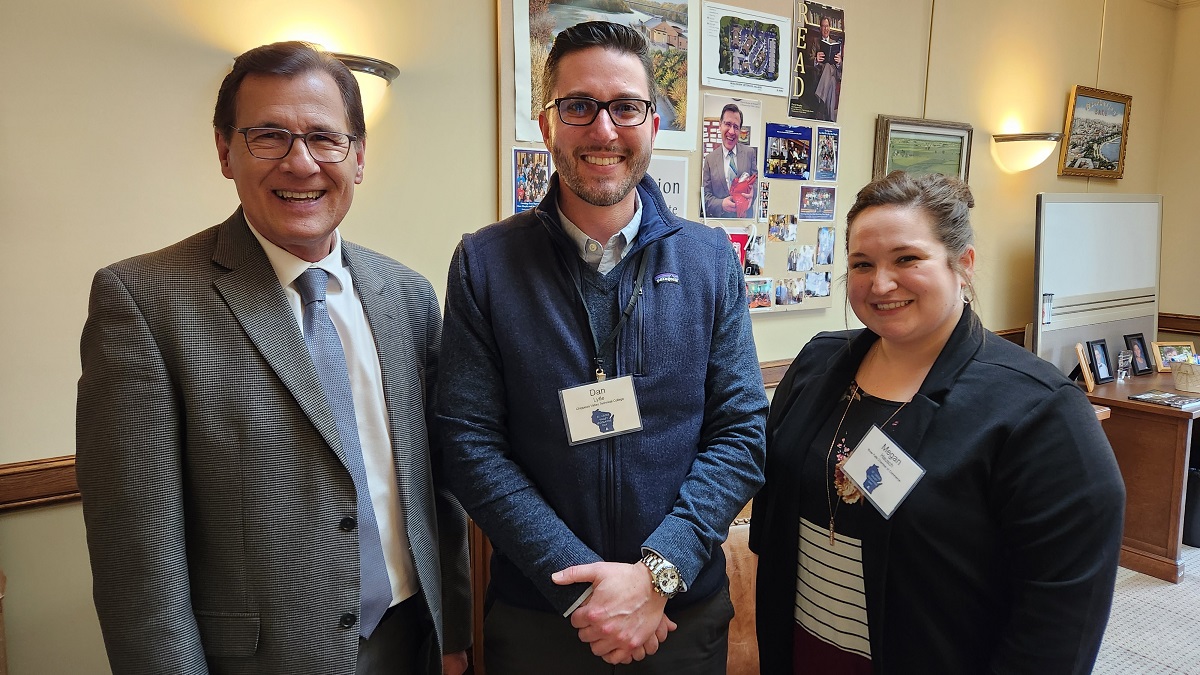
<point x="600" y="376"/>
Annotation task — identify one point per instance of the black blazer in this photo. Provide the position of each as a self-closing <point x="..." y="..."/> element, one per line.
<point x="1003" y="557"/>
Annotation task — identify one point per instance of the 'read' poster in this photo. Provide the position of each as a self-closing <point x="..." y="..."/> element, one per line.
<point x="817" y="58"/>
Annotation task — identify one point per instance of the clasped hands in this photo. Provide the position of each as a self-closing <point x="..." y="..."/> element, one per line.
<point x="623" y="619"/>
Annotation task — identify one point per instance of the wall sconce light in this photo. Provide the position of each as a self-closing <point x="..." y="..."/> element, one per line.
<point x="1019" y="152"/>
<point x="372" y="88"/>
<point x="366" y="64"/>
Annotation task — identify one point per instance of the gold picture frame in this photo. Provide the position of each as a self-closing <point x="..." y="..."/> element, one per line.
<point x="921" y="146"/>
<point x="1163" y="351"/>
<point x="1095" y="134"/>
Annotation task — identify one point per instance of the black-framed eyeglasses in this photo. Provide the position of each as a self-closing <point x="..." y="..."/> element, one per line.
<point x="580" y="111"/>
<point x="327" y="147"/>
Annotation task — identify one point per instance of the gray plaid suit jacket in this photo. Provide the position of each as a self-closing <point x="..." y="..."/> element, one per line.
<point x="211" y="469"/>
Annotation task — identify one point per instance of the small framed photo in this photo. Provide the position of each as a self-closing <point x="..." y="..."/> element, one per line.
<point x="1096" y="133"/>
<point x="921" y="146"/>
<point x="1136" y="343"/>
<point x="1166" y="353"/>
<point x="1101" y="365"/>
<point x="1084" y="369"/>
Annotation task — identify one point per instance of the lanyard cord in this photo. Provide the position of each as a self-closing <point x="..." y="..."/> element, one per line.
<point x="628" y="311"/>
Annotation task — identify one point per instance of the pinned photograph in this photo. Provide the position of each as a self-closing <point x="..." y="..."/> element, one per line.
<point x="781" y="227"/>
<point x="801" y="259"/>
<point x="828" y="140"/>
<point x="531" y="177"/>
<point x="745" y="50"/>
<point x="758" y="291"/>
<point x="816" y="284"/>
<point x="789" y="292"/>
<point x="825" y="238"/>
<point x="789" y="152"/>
<point x="729" y="175"/>
<point x="817" y="202"/>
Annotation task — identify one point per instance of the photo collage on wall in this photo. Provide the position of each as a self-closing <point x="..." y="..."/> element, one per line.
<point x="786" y="241"/>
<point x="784" y="237"/>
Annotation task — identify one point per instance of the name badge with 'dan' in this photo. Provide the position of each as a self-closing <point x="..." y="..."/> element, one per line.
<point x="599" y="409"/>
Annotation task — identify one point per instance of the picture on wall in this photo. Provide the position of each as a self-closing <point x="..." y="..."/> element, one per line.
<point x="828" y="140"/>
<point x="817" y="202"/>
<point x="921" y="146"/>
<point x="789" y="291"/>
<point x="789" y="151"/>
<point x="817" y="61"/>
<point x="745" y="50"/>
<point x="729" y="174"/>
<point x="1095" y="135"/>
<point x="758" y="292"/>
<point x="781" y="227"/>
<point x="672" y="30"/>
<point x="531" y="177"/>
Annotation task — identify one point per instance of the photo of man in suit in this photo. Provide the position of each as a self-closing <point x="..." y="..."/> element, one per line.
<point x="259" y="487"/>
<point x="730" y="171"/>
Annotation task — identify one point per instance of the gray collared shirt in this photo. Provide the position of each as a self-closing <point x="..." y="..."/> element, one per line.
<point x="604" y="257"/>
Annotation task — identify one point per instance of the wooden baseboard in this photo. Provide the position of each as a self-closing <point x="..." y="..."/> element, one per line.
<point x="38" y="482"/>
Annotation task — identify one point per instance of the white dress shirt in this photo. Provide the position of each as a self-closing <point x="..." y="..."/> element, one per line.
<point x="366" y="385"/>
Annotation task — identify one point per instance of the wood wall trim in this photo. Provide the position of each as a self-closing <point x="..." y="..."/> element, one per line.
<point x="1188" y="324"/>
<point x="38" y="482"/>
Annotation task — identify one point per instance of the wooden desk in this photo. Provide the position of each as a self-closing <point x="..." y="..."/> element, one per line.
<point x="1151" y="443"/>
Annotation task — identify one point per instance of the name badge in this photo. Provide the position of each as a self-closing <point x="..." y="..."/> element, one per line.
<point x="600" y="409"/>
<point x="883" y="471"/>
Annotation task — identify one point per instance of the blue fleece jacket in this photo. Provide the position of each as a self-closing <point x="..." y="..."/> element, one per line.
<point x="516" y="333"/>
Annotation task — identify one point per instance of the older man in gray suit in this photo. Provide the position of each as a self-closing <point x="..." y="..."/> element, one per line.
<point x="253" y="449"/>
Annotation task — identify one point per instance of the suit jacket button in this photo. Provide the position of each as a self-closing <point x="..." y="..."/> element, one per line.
<point x="348" y="620"/>
<point x="348" y="523"/>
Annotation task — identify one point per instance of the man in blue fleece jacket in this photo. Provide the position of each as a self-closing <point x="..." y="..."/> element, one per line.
<point x="600" y="401"/>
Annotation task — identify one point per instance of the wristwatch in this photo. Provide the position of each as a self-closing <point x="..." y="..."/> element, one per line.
<point x="664" y="576"/>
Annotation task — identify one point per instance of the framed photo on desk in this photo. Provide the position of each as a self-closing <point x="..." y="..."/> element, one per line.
<point x="1165" y="353"/>
<point x="1136" y="343"/>
<point x="1101" y="365"/>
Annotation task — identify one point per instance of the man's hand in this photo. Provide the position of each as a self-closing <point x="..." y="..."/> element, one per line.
<point x="454" y="664"/>
<point x="728" y="205"/>
<point x="820" y="56"/>
<point x="623" y="619"/>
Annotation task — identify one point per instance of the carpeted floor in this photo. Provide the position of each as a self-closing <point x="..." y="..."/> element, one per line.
<point x="1154" y="628"/>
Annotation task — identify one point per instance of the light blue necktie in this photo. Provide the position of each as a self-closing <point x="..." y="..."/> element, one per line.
<point x="325" y="346"/>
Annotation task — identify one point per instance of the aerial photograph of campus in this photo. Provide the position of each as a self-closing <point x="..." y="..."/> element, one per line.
<point x="1095" y="138"/>
<point x="749" y="49"/>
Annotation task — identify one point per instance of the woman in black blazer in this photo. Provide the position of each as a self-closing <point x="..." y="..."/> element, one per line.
<point x="1001" y="557"/>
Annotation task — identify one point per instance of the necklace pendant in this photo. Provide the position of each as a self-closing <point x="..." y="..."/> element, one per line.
<point x="832" y="541"/>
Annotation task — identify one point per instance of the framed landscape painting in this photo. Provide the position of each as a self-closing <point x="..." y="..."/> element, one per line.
<point x="921" y="146"/>
<point x="1096" y="134"/>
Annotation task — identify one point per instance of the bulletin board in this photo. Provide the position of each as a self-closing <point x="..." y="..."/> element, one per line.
<point x="789" y="242"/>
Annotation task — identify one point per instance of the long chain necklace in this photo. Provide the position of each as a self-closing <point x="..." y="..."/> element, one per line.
<point x="829" y="491"/>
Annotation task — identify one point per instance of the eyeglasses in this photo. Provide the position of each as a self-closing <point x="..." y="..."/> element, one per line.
<point x="327" y="147"/>
<point x="580" y="111"/>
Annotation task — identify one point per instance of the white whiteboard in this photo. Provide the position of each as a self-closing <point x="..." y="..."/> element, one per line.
<point x="1096" y="272"/>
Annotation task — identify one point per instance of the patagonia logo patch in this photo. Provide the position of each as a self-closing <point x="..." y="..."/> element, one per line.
<point x="666" y="277"/>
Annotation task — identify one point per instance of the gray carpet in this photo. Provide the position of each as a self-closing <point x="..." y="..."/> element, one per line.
<point x="1154" y="628"/>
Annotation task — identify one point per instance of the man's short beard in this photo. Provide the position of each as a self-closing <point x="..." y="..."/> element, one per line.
<point x="599" y="195"/>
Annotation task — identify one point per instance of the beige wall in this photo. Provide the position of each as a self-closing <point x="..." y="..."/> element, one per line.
<point x="105" y="118"/>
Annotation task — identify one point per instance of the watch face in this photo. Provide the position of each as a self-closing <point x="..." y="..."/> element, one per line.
<point x="668" y="580"/>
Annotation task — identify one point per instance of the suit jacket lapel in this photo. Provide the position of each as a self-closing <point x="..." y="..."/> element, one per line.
<point x="393" y="337"/>
<point x="252" y="291"/>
